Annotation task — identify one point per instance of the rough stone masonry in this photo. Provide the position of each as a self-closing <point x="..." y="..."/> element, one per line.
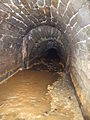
<point x="64" y="24"/>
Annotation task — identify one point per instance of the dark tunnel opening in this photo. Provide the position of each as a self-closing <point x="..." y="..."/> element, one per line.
<point x="52" y="54"/>
<point x="48" y="53"/>
<point x="50" y="60"/>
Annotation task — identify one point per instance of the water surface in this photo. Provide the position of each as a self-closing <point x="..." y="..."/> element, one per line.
<point x="38" y="95"/>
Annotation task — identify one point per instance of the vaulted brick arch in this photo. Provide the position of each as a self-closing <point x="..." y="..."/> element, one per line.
<point x="64" y="21"/>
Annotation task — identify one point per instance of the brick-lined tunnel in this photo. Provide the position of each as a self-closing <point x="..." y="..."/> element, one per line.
<point x="29" y="28"/>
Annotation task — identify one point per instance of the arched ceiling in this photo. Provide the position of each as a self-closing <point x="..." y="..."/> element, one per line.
<point x="18" y="17"/>
<point x="65" y="21"/>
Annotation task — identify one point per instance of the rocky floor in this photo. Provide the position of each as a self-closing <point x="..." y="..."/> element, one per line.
<point x="38" y="95"/>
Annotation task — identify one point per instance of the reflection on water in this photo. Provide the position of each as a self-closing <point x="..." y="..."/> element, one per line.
<point x="35" y="95"/>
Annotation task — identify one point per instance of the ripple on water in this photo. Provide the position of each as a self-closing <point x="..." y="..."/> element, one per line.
<point x="35" y="95"/>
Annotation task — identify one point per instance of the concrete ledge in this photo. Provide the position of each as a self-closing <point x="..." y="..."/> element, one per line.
<point x="82" y="95"/>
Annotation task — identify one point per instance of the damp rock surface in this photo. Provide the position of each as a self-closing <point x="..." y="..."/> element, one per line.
<point x="38" y="95"/>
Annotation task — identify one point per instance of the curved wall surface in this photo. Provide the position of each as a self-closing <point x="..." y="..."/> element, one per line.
<point x="44" y="24"/>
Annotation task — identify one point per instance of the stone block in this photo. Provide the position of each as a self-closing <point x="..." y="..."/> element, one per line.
<point x="48" y="2"/>
<point x="55" y="3"/>
<point x="41" y="2"/>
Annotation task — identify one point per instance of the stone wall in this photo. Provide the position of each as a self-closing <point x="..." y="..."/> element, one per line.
<point x="65" y="21"/>
<point x="42" y="38"/>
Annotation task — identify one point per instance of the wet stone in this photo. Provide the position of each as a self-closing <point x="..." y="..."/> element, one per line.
<point x="48" y="2"/>
<point x="41" y="2"/>
<point x="49" y="97"/>
<point x="55" y="3"/>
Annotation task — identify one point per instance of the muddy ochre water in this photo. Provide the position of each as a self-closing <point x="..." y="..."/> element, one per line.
<point x="38" y="95"/>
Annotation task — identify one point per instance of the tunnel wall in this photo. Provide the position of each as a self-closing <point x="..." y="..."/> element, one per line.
<point x="10" y="55"/>
<point x="70" y="17"/>
<point x="43" y="38"/>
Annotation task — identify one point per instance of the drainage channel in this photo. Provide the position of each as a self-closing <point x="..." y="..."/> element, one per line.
<point x="39" y="94"/>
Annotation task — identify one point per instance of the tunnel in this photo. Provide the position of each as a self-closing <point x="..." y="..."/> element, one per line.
<point x="50" y="29"/>
<point x="52" y="54"/>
